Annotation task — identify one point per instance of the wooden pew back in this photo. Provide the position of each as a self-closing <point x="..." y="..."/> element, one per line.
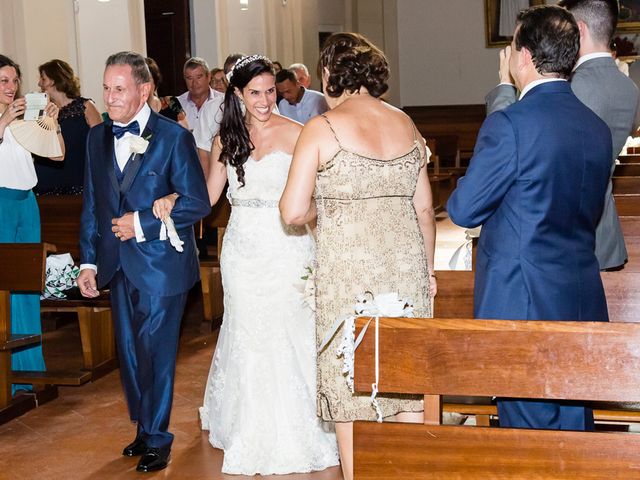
<point x="528" y="359"/>
<point x="60" y="222"/>
<point x="623" y="287"/>
<point x="22" y="266"/>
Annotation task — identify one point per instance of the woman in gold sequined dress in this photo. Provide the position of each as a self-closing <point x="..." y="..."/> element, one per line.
<point x="361" y="170"/>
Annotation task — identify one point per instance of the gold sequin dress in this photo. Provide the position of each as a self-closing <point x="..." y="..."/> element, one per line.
<point x="368" y="239"/>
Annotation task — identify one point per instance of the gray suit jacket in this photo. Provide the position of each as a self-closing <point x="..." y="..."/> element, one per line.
<point x="614" y="98"/>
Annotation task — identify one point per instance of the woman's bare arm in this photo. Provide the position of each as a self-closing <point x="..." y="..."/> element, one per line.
<point x="423" y="204"/>
<point x="297" y="205"/>
<point x="217" y="175"/>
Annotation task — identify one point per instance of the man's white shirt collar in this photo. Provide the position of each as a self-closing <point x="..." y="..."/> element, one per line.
<point x="535" y="83"/>
<point x="142" y="117"/>
<point x="591" y="56"/>
<point x="212" y="95"/>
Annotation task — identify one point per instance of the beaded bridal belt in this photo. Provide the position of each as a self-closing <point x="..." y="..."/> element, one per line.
<point x="254" y="203"/>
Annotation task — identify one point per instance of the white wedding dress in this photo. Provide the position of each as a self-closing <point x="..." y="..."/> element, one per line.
<point x="259" y="403"/>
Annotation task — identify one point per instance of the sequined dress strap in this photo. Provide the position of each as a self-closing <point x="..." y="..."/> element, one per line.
<point x="332" y="130"/>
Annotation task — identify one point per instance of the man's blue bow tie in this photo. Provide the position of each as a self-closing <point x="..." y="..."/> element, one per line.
<point x="133" y="128"/>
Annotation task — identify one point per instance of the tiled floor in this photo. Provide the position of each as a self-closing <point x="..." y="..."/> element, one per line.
<point x="80" y="435"/>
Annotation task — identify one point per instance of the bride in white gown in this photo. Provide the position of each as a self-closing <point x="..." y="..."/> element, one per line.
<point x="259" y="402"/>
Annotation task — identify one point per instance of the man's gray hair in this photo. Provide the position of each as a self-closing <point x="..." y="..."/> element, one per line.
<point x="299" y="66"/>
<point x="139" y="68"/>
<point x="195" y="62"/>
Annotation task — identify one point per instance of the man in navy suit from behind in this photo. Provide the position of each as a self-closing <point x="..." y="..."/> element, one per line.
<point x="536" y="184"/>
<point x="133" y="159"/>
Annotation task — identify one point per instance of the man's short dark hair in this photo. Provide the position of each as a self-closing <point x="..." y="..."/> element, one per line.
<point x="600" y="16"/>
<point x="551" y="35"/>
<point x="138" y="65"/>
<point x="286" y="74"/>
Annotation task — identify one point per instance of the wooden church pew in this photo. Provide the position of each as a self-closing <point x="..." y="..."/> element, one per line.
<point x="21" y="269"/>
<point x="527" y="359"/>
<point x="60" y="224"/>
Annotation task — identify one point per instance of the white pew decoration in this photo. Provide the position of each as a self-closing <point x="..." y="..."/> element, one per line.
<point x="630" y="146"/>
<point x="308" y="288"/>
<point x="376" y="306"/>
<point x="462" y="257"/>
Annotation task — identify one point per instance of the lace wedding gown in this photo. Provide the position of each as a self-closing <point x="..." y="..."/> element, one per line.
<point x="259" y="403"/>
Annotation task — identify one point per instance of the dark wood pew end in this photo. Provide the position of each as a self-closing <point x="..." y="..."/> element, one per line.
<point x="96" y="336"/>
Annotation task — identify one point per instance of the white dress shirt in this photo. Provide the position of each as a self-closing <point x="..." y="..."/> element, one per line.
<point x="122" y="149"/>
<point x="18" y="171"/>
<point x="591" y="56"/>
<point x="191" y="110"/>
<point x="310" y="105"/>
<point x="209" y="122"/>
<point x="535" y="83"/>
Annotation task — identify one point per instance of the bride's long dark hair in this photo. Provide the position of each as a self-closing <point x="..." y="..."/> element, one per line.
<point x="234" y="135"/>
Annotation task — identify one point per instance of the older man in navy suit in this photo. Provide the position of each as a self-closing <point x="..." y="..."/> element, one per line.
<point x="537" y="185"/>
<point x="132" y="160"/>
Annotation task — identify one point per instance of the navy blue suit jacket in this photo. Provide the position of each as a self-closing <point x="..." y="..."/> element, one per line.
<point x="536" y="184"/>
<point x="170" y="164"/>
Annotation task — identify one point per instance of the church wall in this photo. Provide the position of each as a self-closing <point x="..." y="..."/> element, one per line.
<point x="442" y="55"/>
<point x="81" y="32"/>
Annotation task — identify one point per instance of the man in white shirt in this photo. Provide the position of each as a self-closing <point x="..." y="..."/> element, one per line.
<point x="209" y="119"/>
<point x="297" y="102"/>
<point x="197" y="76"/>
<point x="302" y="72"/>
<point x="207" y="128"/>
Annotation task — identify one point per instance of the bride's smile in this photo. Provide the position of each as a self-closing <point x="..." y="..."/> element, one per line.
<point x="259" y="97"/>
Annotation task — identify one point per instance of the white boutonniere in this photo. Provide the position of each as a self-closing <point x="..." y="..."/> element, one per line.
<point x="138" y="145"/>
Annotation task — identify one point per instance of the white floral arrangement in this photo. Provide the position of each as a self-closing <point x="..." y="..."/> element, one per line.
<point x="308" y="288"/>
<point x="381" y="305"/>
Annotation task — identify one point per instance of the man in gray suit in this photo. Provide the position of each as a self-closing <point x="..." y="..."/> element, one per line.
<point x="598" y="83"/>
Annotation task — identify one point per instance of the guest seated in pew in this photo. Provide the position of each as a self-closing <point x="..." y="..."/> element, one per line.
<point x="219" y="80"/>
<point x="537" y="184"/>
<point x="598" y="83"/>
<point x="168" y="106"/>
<point x="77" y="116"/>
<point x="361" y="169"/>
<point x="19" y="216"/>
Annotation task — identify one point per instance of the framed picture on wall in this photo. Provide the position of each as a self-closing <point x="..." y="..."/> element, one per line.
<point x="500" y="19"/>
<point x="629" y="16"/>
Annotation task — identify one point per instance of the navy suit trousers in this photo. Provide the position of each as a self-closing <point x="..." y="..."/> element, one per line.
<point x="147" y="330"/>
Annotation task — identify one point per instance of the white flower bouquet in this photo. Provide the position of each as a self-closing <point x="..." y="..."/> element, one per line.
<point x="308" y="288"/>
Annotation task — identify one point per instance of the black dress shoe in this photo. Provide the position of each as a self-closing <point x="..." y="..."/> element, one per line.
<point x="154" y="459"/>
<point x="135" y="448"/>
